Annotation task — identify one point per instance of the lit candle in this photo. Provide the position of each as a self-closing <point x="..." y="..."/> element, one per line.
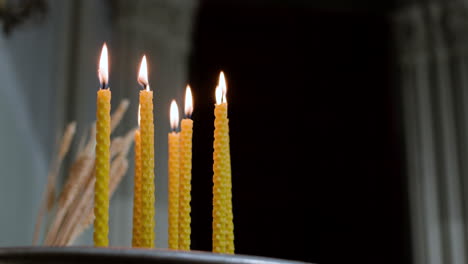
<point x="147" y="159"/>
<point x="174" y="171"/>
<point x="185" y="173"/>
<point x="101" y="189"/>
<point x="136" y="238"/>
<point x="223" y="228"/>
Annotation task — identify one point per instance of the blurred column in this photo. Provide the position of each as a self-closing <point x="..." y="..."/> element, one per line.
<point x="433" y="74"/>
<point x="161" y="30"/>
<point x="33" y="85"/>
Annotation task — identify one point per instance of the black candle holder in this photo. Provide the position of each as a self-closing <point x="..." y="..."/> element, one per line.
<point x="79" y="255"/>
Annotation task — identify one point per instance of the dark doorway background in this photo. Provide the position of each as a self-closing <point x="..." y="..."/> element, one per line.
<point x="318" y="172"/>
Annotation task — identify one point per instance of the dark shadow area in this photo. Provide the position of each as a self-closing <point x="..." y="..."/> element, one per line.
<point x="318" y="171"/>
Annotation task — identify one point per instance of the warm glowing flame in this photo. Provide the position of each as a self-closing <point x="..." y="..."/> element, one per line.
<point x="174" y="115"/>
<point x="188" y="101"/>
<point x="143" y="74"/>
<point x="218" y="95"/>
<point x="221" y="89"/>
<point x="103" y="71"/>
<point x="139" y="106"/>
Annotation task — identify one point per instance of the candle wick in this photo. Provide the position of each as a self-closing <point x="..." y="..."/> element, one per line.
<point x="104" y="85"/>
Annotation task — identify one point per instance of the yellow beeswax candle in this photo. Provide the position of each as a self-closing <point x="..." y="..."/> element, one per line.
<point x="136" y="238"/>
<point x="185" y="173"/>
<point x="223" y="237"/>
<point x="174" y="172"/>
<point x="229" y="213"/>
<point x="147" y="159"/>
<point x="101" y="189"/>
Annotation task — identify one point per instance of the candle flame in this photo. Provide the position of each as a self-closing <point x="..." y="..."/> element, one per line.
<point x="174" y="115"/>
<point x="218" y="95"/>
<point x="103" y="72"/>
<point x="221" y="89"/>
<point x="143" y="74"/>
<point x="188" y="101"/>
<point x="139" y="107"/>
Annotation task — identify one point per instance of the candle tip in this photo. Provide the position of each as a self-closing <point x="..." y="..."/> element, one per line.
<point x="188" y="102"/>
<point x="143" y="74"/>
<point x="174" y="115"/>
<point x="103" y="70"/>
<point x="221" y="89"/>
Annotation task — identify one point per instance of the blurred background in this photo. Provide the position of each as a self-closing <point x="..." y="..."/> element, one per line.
<point x="348" y="119"/>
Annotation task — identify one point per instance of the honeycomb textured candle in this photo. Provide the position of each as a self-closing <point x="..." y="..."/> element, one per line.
<point x="221" y="170"/>
<point x="136" y="238"/>
<point x="229" y="213"/>
<point x="147" y="169"/>
<point x="174" y="174"/>
<point x="228" y="185"/>
<point x="101" y="187"/>
<point x="185" y="183"/>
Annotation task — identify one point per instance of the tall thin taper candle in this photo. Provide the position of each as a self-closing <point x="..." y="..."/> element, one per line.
<point x="136" y="238"/>
<point x="174" y="174"/>
<point x="101" y="189"/>
<point x="147" y="159"/>
<point x="223" y="228"/>
<point x="185" y="173"/>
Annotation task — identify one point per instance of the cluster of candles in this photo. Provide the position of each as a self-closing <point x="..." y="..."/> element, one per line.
<point x="180" y="166"/>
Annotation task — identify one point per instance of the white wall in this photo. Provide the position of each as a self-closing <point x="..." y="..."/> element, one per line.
<point x="27" y="122"/>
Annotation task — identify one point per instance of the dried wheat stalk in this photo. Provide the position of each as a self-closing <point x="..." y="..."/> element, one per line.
<point x="76" y="178"/>
<point x="49" y="195"/>
<point x="119" y="167"/>
<point x="119" y="113"/>
<point x="74" y="209"/>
